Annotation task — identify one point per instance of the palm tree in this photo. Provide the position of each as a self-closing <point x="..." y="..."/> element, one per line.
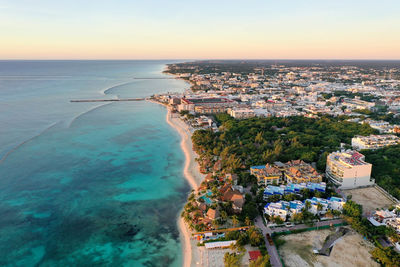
<point x="307" y="205"/>
<point x="235" y="220"/>
<point x="261" y="261"/>
<point x="224" y="215"/>
<point x="215" y="224"/>
<point x="232" y="259"/>
<point x="247" y="221"/>
<point x="191" y="197"/>
<point x="319" y="207"/>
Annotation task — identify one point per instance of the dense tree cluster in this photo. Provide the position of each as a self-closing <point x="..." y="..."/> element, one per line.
<point x="353" y="216"/>
<point x="261" y="262"/>
<point x="232" y="259"/>
<point x="380" y="114"/>
<point x="386" y="168"/>
<point x="243" y="143"/>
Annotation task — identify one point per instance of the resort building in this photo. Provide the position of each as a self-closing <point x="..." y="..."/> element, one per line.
<point x="381" y="126"/>
<point x="374" y="141"/>
<point x="219" y="244"/>
<point x="348" y="169"/>
<point x="266" y="174"/>
<point x="333" y="203"/>
<point x="271" y="190"/>
<point x="242" y="113"/>
<point x="234" y="196"/>
<point x="283" y="208"/>
<point x="381" y="217"/>
<point x="212" y="214"/>
<point x="336" y="203"/>
<point x="395" y="224"/>
<point x="318" y="205"/>
<point x="297" y="171"/>
<point x="357" y="104"/>
<point x="387" y="218"/>
<point x="205" y="105"/>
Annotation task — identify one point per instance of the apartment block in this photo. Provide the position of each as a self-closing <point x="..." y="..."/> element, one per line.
<point x="347" y="169"/>
<point x="374" y="141"/>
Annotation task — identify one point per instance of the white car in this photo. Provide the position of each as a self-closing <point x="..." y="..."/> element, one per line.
<point x="288" y="224"/>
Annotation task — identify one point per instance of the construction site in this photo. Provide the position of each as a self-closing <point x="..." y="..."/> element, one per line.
<point x="330" y="247"/>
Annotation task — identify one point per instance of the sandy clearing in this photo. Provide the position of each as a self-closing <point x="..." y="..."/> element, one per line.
<point x="370" y="198"/>
<point x="351" y="250"/>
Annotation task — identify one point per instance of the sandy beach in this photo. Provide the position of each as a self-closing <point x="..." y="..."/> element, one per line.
<point x="191" y="171"/>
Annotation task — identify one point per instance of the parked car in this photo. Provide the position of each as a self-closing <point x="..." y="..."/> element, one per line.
<point x="269" y="238"/>
<point x="289" y="224"/>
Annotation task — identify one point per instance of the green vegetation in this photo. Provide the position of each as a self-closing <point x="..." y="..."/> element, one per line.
<point x="386" y="256"/>
<point x="255" y="141"/>
<point x="353" y="216"/>
<point x="261" y="262"/>
<point x="365" y="97"/>
<point x="381" y="113"/>
<point x="386" y="168"/>
<point x="207" y="67"/>
<point x="252" y="236"/>
<point x="277" y="241"/>
<point x="232" y="259"/>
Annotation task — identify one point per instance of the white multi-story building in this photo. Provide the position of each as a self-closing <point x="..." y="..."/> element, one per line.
<point x="348" y="169"/>
<point x="276" y="209"/>
<point x="358" y="104"/>
<point x="374" y="141"/>
<point x="333" y="203"/>
<point x="242" y="113"/>
<point x="315" y="202"/>
<point x="336" y="203"/>
<point x="283" y="208"/>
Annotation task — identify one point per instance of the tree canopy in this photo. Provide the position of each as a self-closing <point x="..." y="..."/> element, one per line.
<point x="255" y="141"/>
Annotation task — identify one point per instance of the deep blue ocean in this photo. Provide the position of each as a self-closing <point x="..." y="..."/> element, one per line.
<point x="88" y="184"/>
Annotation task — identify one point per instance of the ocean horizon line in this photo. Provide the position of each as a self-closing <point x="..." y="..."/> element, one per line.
<point x="202" y="59"/>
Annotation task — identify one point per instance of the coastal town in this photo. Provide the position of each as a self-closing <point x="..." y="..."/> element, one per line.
<point x="200" y="133"/>
<point x="290" y="163"/>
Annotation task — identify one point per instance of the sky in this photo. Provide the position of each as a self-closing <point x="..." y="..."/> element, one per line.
<point x="188" y="29"/>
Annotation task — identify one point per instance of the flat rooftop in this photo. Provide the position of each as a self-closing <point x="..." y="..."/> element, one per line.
<point x="349" y="157"/>
<point x="211" y="100"/>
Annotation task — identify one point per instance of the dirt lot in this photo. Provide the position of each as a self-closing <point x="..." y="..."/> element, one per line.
<point x="370" y="198"/>
<point x="215" y="257"/>
<point x="351" y="250"/>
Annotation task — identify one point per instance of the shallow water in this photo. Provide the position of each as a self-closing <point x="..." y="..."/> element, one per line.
<point x="84" y="184"/>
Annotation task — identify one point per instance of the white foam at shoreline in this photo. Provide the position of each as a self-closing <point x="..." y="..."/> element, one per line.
<point x="188" y="250"/>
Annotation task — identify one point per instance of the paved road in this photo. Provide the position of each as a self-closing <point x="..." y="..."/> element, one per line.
<point x="303" y="226"/>
<point x="272" y="251"/>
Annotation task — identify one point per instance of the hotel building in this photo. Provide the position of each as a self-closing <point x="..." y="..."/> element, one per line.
<point x="242" y="113"/>
<point x="297" y="171"/>
<point x="374" y="141"/>
<point x="266" y="174"/>
<point x="348" y="169"/>
<point x="206" y="105"/>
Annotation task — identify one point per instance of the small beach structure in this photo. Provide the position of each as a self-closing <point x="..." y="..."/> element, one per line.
<point x="254" y="255"/>
<point x="219" y="244"/>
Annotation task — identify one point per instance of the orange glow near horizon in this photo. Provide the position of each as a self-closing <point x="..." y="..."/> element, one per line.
<point x="137" y="31"/>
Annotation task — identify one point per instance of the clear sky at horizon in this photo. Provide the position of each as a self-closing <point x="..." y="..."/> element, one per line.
<point x="219" y="29"/>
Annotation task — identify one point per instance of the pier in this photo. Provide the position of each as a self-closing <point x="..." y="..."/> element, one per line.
<point x="106" y="100"/>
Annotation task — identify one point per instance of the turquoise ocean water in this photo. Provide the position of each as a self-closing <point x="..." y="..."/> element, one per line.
<point x="88" y="184"/>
